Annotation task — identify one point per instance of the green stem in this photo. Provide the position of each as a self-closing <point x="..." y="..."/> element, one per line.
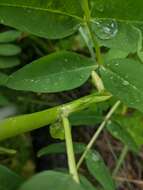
<point x="88" y="44"/>
<point x="97" y="133"/>
<point x="92" y="35"/>
<point x="86" y="9"/>
<point x="96" y="80"/>
<point x="120" y="160"/>
<point x="20" y="124"/>
<point x="96" y="45"/>
<point x="70" y="150"/>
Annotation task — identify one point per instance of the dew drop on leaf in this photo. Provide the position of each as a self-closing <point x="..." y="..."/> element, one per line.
<point x="105" y="29"/>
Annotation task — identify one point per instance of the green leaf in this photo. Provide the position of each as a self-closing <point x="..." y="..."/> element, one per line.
<point x="7" y="151"/>
<point x="115" y="54"/>
<point x="98" y="169"/>
<point x="85" y="117"/>
<point x="48" y="18"/>
<point x="123" y="135"/>
<point x="123" y="78"/>
<point x="9" y="36"/>
<point x="53" y="73"/>
<point x="60" y="148"/>
<point x="3" y="78"/>
<point x="124" y="38"/>
<point x="86" y="184"/>
<point x="9" y="49"/>
<point x="49" y="180"/>
<point x="8" y="62"/>
<point x="134" y="125"/>
<point x="8" y="179"/>
<point x="129" y="11"/>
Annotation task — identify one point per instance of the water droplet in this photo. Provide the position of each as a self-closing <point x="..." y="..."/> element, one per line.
<point x="125" y="83"/>
<point x="116" y="64"/>
<point x="105" y="29"/>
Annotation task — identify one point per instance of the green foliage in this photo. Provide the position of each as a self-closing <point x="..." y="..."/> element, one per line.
<point x="60" y="148"/>
<point x="46" y="181"/>
<point x="54" y="73"/>
<point x="3" y="78"/>
<point x="123" y="135"/>
<point x="133" y="124"/>
<point x="9" y="36"/>
<point x="123" y="78"/>
<point x="8" y="62"/>
<point x="9" y="50"/>
<point x="9" y="180"/>
<point x="124" y="11"/>
<point x="61" y="18"/>
<point x="125" y="38"/>
<point x="97" y="168"/>
<point x="112" y="34"/>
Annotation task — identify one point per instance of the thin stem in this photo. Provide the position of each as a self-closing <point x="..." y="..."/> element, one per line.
<point x="96" y="45"/>
<point x="92" y="35"/>
<point x="87" y="42"/>
<point x="97" y="133"/>
<point x="120" y="160"/>
<point x="96" y="80"/>
<point x="70" y="150"/>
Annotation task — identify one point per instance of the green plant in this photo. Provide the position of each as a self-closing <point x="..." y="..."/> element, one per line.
<point x="115" y="73"/>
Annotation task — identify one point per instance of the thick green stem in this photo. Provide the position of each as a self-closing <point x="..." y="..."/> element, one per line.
<point x="86" y="9"/>
<point x="120" y="160"/>
<point x="21" y="124"/>
<point x="70" y="150"/>
<point x="97" y="133"/>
